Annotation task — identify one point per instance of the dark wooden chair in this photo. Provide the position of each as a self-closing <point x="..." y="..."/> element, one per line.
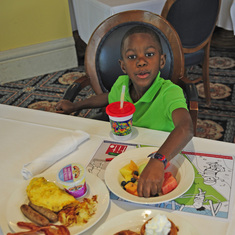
<point x="103" y="52"/>
<point x="194" y="21"/>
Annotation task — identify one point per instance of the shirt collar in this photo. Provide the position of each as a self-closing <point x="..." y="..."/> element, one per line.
<point x="151" y="92"/>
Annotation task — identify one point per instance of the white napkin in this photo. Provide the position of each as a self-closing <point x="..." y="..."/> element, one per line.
<point x="62" y="148"/>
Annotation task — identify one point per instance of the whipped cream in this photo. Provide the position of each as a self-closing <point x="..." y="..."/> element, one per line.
<point x="158" y="225"/>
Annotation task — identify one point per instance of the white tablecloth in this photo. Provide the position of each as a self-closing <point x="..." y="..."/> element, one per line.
<point x="90" y="13"/>
<point x="226" y="18"/>
<point x="50" y="123"/>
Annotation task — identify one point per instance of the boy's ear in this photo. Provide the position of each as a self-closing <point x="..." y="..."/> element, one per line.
<point x="121" y="62"/>
<point x="162" y="61"/>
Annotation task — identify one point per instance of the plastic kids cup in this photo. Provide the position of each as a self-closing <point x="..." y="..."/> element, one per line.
<point x="121" y="119"/>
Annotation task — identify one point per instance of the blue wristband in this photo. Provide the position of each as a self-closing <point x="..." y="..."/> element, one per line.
<point x="159" y="156"/>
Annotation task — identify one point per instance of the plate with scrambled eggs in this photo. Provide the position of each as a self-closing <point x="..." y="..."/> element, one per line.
<point x="92" y="206"/>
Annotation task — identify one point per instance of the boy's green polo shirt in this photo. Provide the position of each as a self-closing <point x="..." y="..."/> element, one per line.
<point x="154" y="108"/>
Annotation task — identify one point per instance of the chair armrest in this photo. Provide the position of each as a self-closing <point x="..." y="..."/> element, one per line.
<point x="73" y="90"/>
<point x="191" y="93"/>
<point x="189" y="89"/>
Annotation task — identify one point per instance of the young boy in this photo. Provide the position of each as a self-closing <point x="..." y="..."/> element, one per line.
<point x="159" y="103"/>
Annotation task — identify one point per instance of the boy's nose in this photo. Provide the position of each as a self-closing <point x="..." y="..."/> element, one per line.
<point x="141" y="62"/>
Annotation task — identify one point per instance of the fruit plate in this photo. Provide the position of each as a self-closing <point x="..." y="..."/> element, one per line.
<point x="134" y="219"/>
<point x="95" y="187"/>
<point x="180" y="167"/>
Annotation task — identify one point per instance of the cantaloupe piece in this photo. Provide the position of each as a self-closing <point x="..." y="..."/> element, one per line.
<point x="131" y="188"/>
<point x="133" y="166"/>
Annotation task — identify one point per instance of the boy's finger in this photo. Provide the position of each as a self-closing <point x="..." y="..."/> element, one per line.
<point x="154" y="190"/>
<point x="146" y="191"/>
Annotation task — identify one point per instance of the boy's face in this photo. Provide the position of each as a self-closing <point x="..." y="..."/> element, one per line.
<point x="141" y="59"/>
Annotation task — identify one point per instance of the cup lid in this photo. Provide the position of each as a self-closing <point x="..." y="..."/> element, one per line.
<point x="114" y="109"/>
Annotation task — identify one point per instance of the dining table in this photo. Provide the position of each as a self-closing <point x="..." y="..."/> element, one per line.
<point x="25" y="132"/>
<point x="88" y="14"/>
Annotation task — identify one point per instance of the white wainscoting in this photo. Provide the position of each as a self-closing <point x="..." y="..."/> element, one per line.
<point x="38" y="59"/>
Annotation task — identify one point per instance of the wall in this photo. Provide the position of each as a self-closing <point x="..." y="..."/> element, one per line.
<point x="35" y="31"/>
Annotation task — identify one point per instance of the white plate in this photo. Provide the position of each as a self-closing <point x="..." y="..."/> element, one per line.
<point x="134" y="219"/>
<point x="180" y="167"/>
<point x="95" y="187"/>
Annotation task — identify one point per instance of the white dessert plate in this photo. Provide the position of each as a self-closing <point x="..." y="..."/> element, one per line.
<point x="180" y="167"/>
<point x="95" y="187"/>
<point x="134" y="219"/>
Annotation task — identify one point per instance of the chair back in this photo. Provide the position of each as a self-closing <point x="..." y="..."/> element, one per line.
<point x="103" y="49"/>
<point x="194" y="20"/>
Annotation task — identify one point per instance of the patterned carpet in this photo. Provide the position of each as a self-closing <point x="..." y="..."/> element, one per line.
<point x="218" y="121"/>
<point x="215" y="122"/>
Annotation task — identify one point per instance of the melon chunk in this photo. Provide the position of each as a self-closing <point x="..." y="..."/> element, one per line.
<point x="131" y="188"/>
<point x="133" y="166"/>
<point x="141" y="168"/>
<point x="126" y="172"/>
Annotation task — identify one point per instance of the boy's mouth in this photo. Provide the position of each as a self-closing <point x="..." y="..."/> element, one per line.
<point x="143" y="74"/>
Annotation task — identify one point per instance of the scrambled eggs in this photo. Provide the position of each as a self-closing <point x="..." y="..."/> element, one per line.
<point x="47" y="194"/>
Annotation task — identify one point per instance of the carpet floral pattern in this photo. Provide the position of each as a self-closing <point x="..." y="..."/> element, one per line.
<point x="43" y="92"/>
<point x="216" y="121"/>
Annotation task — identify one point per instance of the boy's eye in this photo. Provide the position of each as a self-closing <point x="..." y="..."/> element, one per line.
<point x="131" y="57"/>
<point x="149" y="54"/>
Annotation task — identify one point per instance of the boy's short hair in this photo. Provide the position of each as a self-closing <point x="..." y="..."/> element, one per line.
<point x="141" y="29"/>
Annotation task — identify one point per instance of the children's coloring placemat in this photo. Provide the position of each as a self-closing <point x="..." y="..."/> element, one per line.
<point x="211" y="192"/>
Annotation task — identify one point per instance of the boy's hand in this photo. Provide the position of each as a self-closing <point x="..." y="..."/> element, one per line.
<point x="65" y="106"/>
<point x="151" y="179"/>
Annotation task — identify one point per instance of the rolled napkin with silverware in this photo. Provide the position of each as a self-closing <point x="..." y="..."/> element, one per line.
<point x="61" y="149"/>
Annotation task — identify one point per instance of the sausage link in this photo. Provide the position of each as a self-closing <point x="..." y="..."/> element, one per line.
<point x="34" y="216"/>
<point x="50" y="215"/>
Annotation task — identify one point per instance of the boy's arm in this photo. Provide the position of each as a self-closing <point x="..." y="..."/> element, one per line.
<point x="151" y="179"/>
<point x="67" y="107"/>
<point x="180" y="136"/>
